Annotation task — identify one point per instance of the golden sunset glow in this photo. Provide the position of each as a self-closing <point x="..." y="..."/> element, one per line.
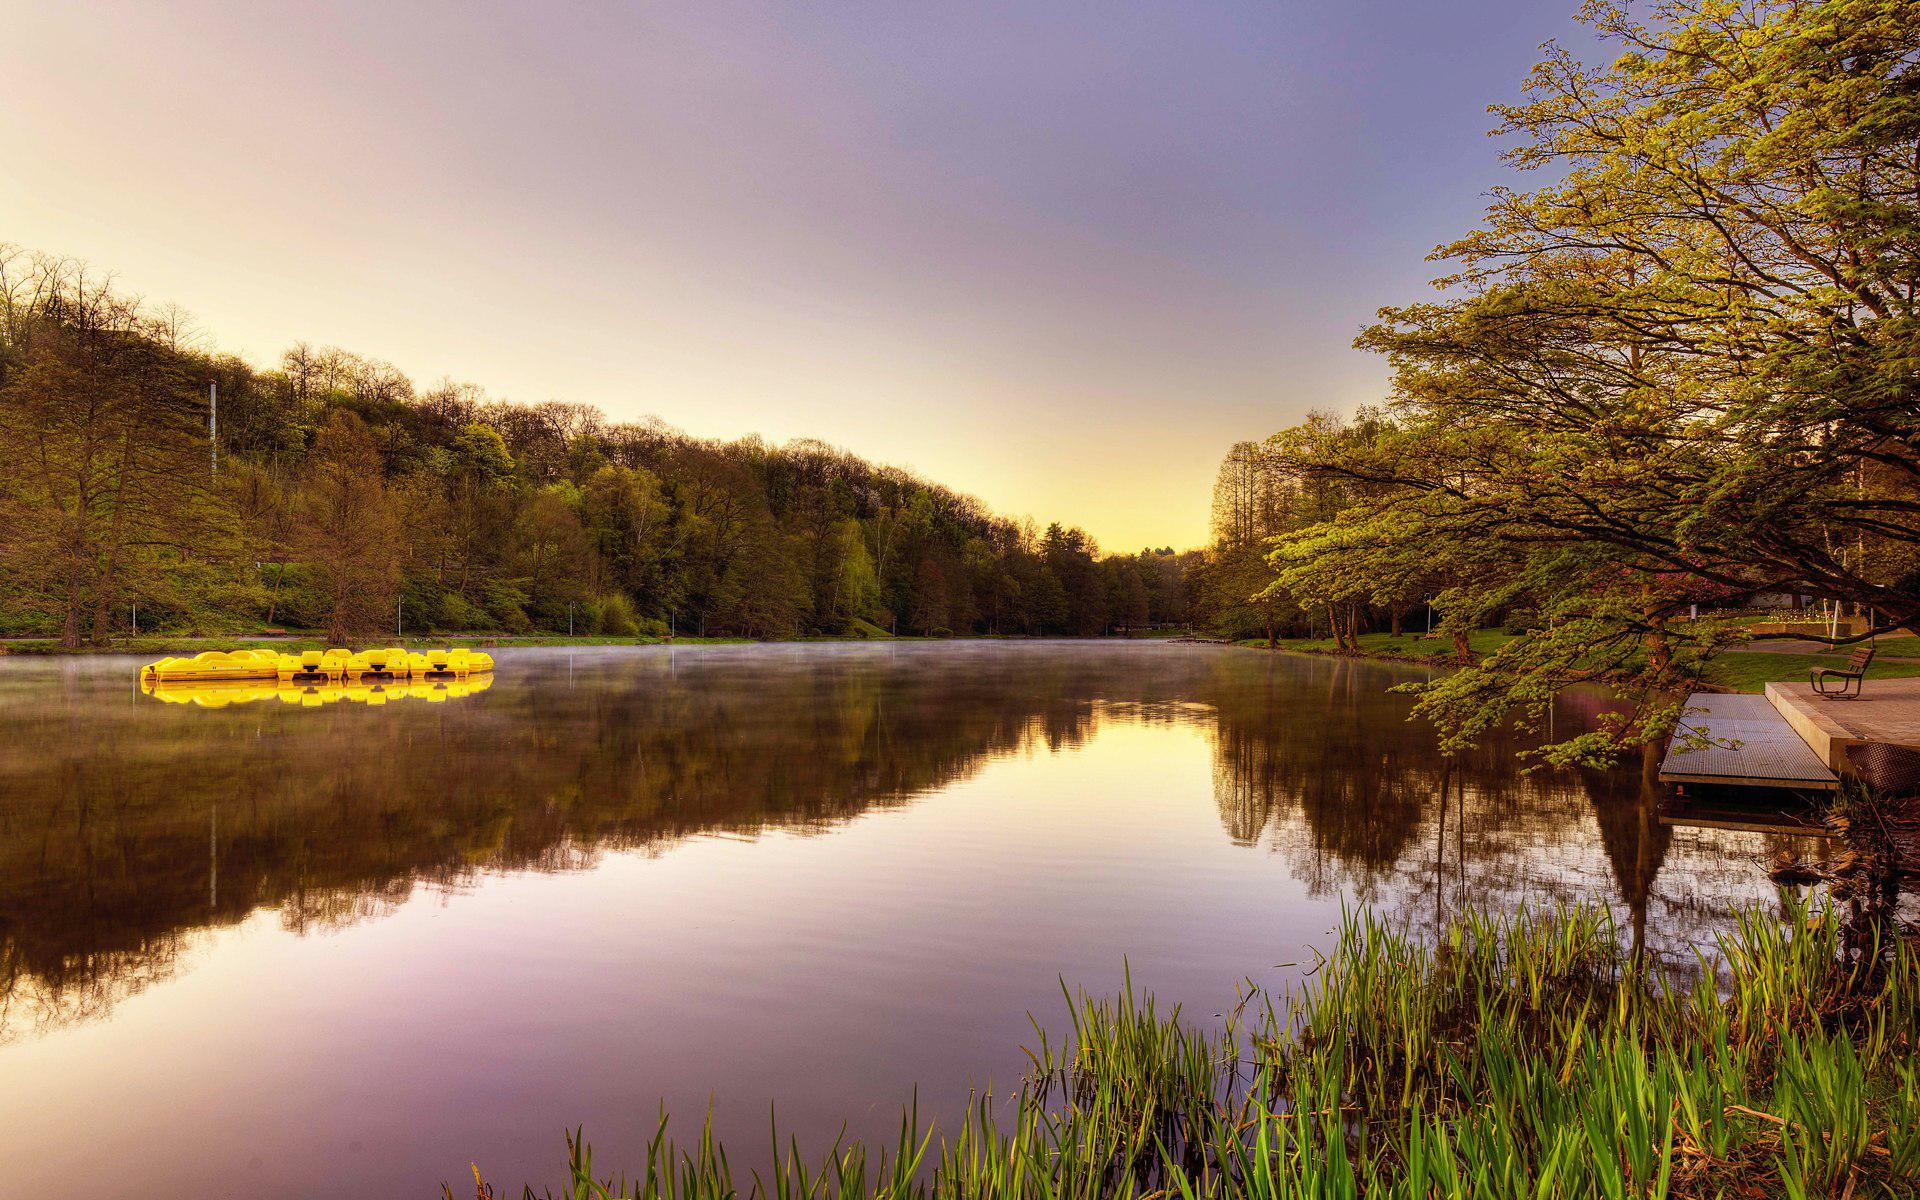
<point x="1047" y="260"/>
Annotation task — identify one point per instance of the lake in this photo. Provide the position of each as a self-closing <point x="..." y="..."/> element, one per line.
<point x="345" y="950"/>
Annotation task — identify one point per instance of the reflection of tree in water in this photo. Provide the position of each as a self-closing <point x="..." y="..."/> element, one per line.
<point x="1322" y="749"/>
<point x="1329" y="775"/>
<point x="127" y="826"/>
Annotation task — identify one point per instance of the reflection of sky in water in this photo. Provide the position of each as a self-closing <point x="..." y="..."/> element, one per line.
<point x="809" y="876"/>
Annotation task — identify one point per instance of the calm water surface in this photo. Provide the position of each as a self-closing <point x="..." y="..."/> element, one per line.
<point x="269" y="951"/>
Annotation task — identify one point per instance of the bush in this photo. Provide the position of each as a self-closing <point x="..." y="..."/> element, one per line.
<point x="508" y="606"/>
<point x="459" y="616"/>
<point x="588" y="614"/>
<point x="616" y="616"/>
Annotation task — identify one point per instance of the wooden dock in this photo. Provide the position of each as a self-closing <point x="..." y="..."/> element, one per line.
<point x="1888" y="712"/>
<point x="1752" y="745"/>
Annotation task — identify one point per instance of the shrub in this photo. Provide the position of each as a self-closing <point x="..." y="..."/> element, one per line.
<point x="616" y="615"/>
<point x="508" y="606"/>
<point x="459" y="616"/>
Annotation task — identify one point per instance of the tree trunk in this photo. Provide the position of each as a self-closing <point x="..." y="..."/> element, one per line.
<point x="1462" y="649"/>
<point x="70" y="627"/>
<point x="1394" y="618"/>
<point x="1659" y="650"/>
<point x="105" y="591"/>
<point x="1272" y="642"/>
<point x="273" y="602"/>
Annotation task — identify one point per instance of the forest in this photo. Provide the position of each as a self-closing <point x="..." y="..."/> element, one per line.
<point x="153" y="485"/>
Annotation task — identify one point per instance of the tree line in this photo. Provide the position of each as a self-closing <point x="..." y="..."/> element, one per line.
<point x="150" y="480"/>
<point x="1682" y="372"/>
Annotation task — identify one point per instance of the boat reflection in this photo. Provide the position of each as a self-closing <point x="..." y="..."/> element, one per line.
<point x="222" y="693"/>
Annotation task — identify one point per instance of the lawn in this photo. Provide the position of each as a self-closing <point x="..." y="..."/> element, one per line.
<point x="1742" y="671"/>
<point x="1747" y="671"/>
<point x="1887" y="647"/>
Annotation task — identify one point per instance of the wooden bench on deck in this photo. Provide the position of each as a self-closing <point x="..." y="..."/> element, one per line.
<point x="1849" y="679"/>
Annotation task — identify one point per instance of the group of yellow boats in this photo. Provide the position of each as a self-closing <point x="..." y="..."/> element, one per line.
<point x="219" y="693"/>
<point x="216" y="678"/>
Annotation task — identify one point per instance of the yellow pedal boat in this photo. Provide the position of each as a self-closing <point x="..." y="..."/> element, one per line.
<point x="209" y="665"/>
<point x="457" y="664"/>
<point x="215" y="678"/>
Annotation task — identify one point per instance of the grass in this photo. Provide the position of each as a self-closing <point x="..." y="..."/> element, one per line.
<point x="1740" y="671"/>
<point x="1525" y="1056"/>
<point x="295" y="643"/>
<point x="1406" y="646"/>
<point x="1747" y="671"/>
<point x="1889" y="647"/>
<point x="859" y="631"/>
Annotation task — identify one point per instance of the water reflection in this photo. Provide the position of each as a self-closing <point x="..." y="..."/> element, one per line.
<point x="220" y="693"/>
<point x="127" y="823"/>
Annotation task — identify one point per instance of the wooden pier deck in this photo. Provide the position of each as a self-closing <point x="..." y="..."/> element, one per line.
<point x="1753" y="746"/>
<point x="1888" y="711"/>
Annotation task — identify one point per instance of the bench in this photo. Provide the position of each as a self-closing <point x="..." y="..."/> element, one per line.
<point x="1836" y="683"/>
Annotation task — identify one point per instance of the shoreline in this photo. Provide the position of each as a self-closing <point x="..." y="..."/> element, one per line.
<point x="296" y="643"/>
<point x="1743" y="671"/>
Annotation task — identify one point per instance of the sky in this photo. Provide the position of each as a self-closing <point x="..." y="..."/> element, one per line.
<point x="1056" y="255"/>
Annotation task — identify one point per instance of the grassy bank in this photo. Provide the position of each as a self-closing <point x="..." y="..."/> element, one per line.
<point x="295" y="643"/>
<point x="1737" y="670"/>
<point x="1405" y="647"/>
<point x="1530" y="1057"/>
<point x="1752" y="671"/>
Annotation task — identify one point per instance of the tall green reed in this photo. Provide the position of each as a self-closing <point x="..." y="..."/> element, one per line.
<point x="1522" y="1056"/>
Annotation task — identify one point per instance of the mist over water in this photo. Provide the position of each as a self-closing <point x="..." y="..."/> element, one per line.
<point x="348" y="950"/>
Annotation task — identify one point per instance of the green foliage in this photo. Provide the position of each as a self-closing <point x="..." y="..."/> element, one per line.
<point x="615" y="616"/>
<point x="1525" y="1056"/>
<point x="457" y="615"/>
<point x="1678" y="372"/>
<point x="345" y="498"/>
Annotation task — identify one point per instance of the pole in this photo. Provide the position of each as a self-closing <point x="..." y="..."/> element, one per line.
<point x="136" y="618"/>
<point x="397" y="601"/>
<point x="569" y="618"/>
<point x="213" y="425"/>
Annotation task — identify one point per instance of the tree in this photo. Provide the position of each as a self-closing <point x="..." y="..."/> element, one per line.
<point x="502" y="514"/>
<point x="1128" y="604"/>
<point x="624" y="511"/>
<point x="1681" y="368"/>
<point x="107" y="463"/>
<point x="349" y="529"/>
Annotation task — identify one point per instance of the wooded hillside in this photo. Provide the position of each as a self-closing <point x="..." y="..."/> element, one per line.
<point x="338" y="495"/>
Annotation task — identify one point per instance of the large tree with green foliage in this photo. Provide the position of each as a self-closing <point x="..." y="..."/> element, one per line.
<point x="1683" y="368"/>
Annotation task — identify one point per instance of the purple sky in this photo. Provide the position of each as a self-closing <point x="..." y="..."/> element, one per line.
<point x="1057" y="255"/>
